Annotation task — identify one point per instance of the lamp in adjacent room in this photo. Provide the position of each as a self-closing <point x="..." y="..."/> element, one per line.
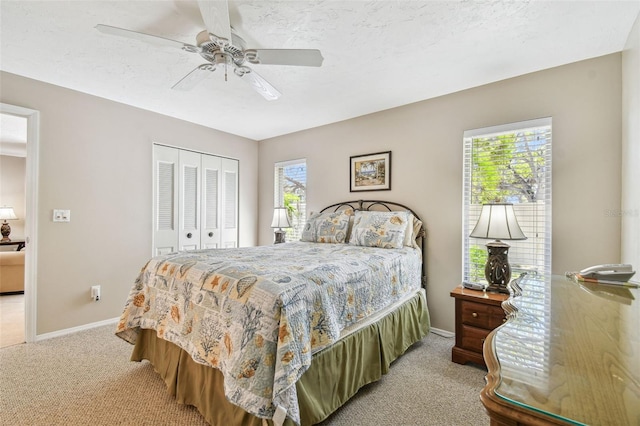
<point x="280" y="220"/>
<point x="6" y="213"/>
<point x="498" y="222"/>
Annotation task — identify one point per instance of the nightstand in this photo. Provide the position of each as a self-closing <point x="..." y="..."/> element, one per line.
<point x="477" y="314"/>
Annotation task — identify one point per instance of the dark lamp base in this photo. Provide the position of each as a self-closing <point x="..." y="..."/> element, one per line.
<point x="279" y="236"/>
<point x="5" y="229"/>
<point x="497" y="270"/>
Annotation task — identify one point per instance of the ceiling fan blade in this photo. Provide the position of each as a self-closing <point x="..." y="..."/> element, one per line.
<point x="300" y="57"/>
<point x="216" y="18"/>
<point x="261" y="85"/>
<point x="148" y="38"/>
<point x="190" y="80"/>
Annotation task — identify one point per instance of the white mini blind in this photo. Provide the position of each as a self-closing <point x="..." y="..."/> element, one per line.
<point x="534" y="355"/>
<point x="190" y="190"/>
<point x="290" y="191"/>
<point x="165" y="196"/>
<point x="509" y="164"/>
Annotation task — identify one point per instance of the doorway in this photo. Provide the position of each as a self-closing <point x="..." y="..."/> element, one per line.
<point x="19" y="153"/>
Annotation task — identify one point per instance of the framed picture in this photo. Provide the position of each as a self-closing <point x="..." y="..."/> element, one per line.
<point x="371" y="172"/>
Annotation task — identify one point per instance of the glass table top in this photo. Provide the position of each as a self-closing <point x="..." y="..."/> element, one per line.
<point x="571" y="350"/>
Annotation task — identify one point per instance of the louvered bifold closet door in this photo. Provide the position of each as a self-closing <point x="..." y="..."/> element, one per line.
<point x="189" y="200"/>
<point x="195" y="203"/>
<point x="210" y="199"/>
<point x="165" y="212"/>
<point x="229" y="211"/>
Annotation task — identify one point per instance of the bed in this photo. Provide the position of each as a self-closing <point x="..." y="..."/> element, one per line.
<point x="284" y="334"/>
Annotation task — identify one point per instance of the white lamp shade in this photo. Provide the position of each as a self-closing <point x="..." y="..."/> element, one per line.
<point x="7" y="213"/>
<point x="280" y="218"/>
<point x="498" y="222"/>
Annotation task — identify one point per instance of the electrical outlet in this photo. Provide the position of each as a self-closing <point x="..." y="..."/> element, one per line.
<point x="95" y="293"/>
<point x="61" y="215"/>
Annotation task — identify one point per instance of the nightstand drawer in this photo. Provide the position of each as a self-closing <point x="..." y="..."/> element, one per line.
<point x="473" y="338"/>
<point x="483" y="316"/>
<point x="477" y="314"/>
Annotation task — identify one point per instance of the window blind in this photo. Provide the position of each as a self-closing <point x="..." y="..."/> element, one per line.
<point x="290" y="191"/>
<point x="528" y="344"/>
<point x="509" y="164"/>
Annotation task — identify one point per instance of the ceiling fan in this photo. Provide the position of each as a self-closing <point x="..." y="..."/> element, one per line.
<point x="221" y="46"/>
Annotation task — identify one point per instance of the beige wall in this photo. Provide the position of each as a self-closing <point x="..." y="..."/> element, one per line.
<point x="12" y="181"/>
<point x="95" y="159"/>
<point x="584" y="100"/>
<point x="630" y="210"/>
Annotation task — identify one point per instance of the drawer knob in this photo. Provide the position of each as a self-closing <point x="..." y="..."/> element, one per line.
<point x="504" y="320"/>
<point x="475" y="315"/>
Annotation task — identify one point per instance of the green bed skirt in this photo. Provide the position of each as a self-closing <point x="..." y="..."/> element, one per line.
<point x="335" y="375"/>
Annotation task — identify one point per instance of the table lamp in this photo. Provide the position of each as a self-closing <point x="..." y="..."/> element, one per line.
<point x="498" y="222"/>
<point x="280" y="220"/>
<point x="6" y="213"/>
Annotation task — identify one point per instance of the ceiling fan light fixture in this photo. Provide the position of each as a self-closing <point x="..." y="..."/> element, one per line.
<point x="241" y="70"/>
<point x="221" y="58"/>
<point x="251" y="55"/>
<point x="220" y="44"/>
<point x="202" y="38"/>
<point x="207" y="67"/>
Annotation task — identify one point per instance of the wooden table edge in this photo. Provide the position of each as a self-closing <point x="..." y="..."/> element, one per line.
<point x="500" y="411"/>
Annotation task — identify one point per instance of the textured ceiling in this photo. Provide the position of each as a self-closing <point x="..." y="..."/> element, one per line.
<point x="378" y="54"/>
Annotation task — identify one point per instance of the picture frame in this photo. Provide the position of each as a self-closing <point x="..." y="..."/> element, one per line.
<point x="370" y="172"/>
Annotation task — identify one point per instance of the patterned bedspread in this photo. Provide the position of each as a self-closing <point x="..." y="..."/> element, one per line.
<point x="259" y="313"/>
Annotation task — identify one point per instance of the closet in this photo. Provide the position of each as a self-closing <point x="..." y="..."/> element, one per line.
<point x="195" y="200"/>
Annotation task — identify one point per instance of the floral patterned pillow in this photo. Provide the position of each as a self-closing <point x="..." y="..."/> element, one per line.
<point x="379" y="229"/>
<point x="328" y="227"/>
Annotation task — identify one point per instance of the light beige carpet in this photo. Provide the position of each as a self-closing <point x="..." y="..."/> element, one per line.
<point x="87" y="379"/>
<point x="11" y="319"/>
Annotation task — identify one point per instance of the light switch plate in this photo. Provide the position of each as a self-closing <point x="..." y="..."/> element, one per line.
<point x="61" y="215"/>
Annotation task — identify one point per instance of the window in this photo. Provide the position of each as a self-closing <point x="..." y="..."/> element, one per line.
<point x="291" y="192"/>
<point x="509" y="164"/>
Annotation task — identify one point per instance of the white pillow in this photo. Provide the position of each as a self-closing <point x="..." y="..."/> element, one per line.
<point x="413" y="227"/>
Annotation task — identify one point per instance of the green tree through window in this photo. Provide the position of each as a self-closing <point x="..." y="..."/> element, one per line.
<point x="290" y="191"/>
<point x="509" y="164"/>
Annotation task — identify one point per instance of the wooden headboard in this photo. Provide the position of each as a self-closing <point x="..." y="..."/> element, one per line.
<point x="373" y="205"/>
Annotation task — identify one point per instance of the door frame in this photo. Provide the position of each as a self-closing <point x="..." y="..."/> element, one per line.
<point x="31" y="222"/>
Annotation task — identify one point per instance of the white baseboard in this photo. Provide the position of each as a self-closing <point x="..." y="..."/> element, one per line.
<point x="72" y="330"/>
<point x="443" y="333"/>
